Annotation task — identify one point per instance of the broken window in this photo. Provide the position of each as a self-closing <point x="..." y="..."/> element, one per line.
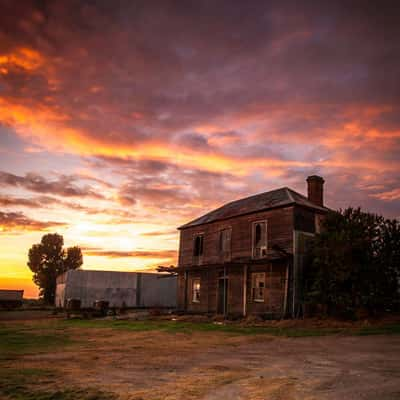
<point x="259" y="239"/>
<point x="258" y="286"/>
<point x="198" y="246"/>
<point x="224" y="245"/>
<point x="196" y="290"/>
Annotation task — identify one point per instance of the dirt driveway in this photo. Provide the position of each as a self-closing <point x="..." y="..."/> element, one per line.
<point x="153" y="365"/>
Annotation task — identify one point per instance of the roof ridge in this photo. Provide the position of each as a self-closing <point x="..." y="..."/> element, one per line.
<point x="288" y="190"/>
<point x="299" y="194"/>
<point x="244" y="198"/>
<point x="257" y="194"/>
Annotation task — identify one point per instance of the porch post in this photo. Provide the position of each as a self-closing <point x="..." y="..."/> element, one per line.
<point x="244" y="290"/>
<point x="186" y="289"/>
<point x="225" y="299"/>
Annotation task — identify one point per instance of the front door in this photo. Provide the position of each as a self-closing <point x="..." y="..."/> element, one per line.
<point x="222" y="296"/>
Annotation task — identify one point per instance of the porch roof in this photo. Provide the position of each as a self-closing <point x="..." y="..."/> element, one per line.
<point x="234" y="263"/>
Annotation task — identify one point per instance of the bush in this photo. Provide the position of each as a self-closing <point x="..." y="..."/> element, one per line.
<point x="354" y="263"/>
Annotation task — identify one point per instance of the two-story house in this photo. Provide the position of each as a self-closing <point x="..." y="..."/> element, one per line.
<point x="246" y="256"/>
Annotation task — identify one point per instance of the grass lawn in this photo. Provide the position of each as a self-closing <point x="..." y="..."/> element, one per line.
<point x="235" y="329"/>
<point x="21" y="339"/>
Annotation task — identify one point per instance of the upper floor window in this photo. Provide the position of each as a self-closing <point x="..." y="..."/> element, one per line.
<point x="260" y="239"/>
<point x="198" y="246"/>
<point x="224" y="243"/>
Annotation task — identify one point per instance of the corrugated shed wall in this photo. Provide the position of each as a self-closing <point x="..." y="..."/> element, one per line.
<point x="158" y="291"/>
<point x="128" y="289"/>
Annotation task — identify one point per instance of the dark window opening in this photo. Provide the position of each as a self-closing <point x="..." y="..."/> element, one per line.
<point x="258" y="235"/>
<point x="198" y="246"/>
<point x="260" y="239"/>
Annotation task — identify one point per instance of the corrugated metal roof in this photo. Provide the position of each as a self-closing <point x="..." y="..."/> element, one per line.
<point x="11" y="295"/>
<point x="259" y="202"/>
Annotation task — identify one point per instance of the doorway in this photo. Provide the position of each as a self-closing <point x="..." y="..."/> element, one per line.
<point x="222" y="303"/>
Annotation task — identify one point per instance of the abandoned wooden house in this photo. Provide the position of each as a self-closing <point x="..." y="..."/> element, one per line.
<point x="246" y="257"/>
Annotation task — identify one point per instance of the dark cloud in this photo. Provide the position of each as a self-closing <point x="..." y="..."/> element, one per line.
<point x="8" y="201"/>
<point x="43" y="202"/>
<point x="184" y="64"/>
<point x="127" y="165"/>
<point x="63" y="186"/>
<point x="193" y="141"/>
<point x="160" y="233"/>
<point x="18" y="222"/>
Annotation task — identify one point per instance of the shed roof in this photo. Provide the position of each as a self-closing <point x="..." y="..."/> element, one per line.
<point x="11" y="295"/>
<point x="259" y="202"/>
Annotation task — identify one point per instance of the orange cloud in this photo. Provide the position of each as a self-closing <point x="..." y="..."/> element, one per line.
<point x="18" y="222"/>
<point x="389" y="195"/>
<point x="22" y="57"/>
<point x="152" y="254"/>
<point x="42" y="123"/>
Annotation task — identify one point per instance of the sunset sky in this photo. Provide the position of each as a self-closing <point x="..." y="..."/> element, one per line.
<point x="121" y="120"/>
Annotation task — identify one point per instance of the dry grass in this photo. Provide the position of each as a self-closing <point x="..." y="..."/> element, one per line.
<point x="67" y="361"/>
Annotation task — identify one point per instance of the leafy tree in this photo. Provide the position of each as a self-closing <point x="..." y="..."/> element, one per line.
<point x="355" y="263"/>
<point x="48" y="259"/>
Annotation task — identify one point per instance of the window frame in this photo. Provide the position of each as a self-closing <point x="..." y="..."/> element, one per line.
<point x="255" y="288"/>
<point x="196" y="292"/>
<point x="195" y="236"/>
<point x="253" y="237"/>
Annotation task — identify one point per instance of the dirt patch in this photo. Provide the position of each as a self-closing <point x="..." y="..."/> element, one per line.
<point x="306" y="323"/>
<point x="28" y="315"/>
<point x="154" y="365"/>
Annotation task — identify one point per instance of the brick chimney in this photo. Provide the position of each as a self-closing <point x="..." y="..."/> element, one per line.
<point x="315" y="189"/>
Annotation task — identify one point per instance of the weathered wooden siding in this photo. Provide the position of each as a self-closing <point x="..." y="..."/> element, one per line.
<point x="235" y="291"/>
<point x="275" y="274"/>
<point x="280" y="224"/>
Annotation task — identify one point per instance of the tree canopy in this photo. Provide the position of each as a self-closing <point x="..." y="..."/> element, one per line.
<point x="354" y="263"/>
<point x="48" y="259"/>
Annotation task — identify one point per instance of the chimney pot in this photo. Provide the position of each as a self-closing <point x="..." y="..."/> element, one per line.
<point x="315" y="189"/>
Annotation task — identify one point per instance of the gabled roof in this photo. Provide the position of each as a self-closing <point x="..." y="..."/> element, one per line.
<point x="259" y="202"/>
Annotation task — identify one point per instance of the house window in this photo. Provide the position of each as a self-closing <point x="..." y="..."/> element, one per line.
<point x="258" y="286"/>
<point x="260" y="239"/>
<point x="198" y="246"/>
<point x="196" y="290"/>
<point x="224" y="243"/>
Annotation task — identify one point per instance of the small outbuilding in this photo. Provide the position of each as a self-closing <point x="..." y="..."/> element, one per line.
<point x="118" y="289"/>
<point x="11" y="298"/>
